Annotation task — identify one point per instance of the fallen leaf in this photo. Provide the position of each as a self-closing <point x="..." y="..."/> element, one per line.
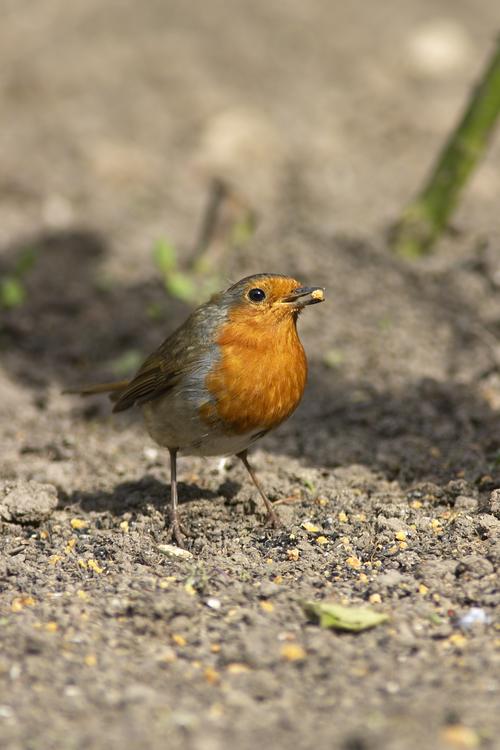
<point x="336" y="616"/>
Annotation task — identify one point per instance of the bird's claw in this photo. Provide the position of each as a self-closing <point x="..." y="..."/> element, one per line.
<point x="273" y="521"/>
<point x="177" y="533"/>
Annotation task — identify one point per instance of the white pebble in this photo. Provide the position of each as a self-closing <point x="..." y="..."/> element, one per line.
<point x="213" y="603"/>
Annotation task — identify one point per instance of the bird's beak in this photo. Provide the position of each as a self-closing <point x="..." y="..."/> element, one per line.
<point x="305" y="295"/>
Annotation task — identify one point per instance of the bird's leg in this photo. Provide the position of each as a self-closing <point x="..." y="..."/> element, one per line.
<point x="272" y="519"/>
<point x="175" y="529"/>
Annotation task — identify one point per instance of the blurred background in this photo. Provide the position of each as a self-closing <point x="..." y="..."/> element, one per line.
<point x="320" y="119"/>
<point x="117" y="114"/>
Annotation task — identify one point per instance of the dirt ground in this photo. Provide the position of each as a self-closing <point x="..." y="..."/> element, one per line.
<point x="326" y="117"/>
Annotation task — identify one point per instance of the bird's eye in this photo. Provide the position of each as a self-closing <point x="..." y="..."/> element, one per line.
<point x="256" y="295"/>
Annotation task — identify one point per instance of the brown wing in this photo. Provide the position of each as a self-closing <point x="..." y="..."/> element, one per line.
<point x="177" y="356"/>
<point x="157" y="375"/>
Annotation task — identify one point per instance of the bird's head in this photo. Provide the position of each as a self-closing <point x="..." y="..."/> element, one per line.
<point x="268" y="298"/>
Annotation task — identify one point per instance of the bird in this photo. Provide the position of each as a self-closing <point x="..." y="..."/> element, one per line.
<point x="233" y="371"/>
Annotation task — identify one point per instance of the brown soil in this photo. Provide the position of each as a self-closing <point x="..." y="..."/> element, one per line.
<point x="325" y="116"/>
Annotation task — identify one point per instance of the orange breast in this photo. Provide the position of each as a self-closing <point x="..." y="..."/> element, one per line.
<point x="260" y="377"/>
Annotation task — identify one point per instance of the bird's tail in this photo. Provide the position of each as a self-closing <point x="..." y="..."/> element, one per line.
<point x="113" y="389"/>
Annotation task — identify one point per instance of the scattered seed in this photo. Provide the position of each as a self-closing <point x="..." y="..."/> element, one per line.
<point x="20" y="602"/>
<point x="293" y="652"/>
<point x="310" y="527"/>
<point x="78" y="523"/>
<point x="458" y="640"/>
<point x="70" y="545"/>
<point x="93" y="565"/>
<point x="211" y="676"/>
<point x="179" y="640"/>
<point x="237" y="668"/>
<point x="460" y="737"/>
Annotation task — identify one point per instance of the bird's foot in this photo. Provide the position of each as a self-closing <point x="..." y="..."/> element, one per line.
<point x="273" y="521"/>
<point x="177" y="532"/>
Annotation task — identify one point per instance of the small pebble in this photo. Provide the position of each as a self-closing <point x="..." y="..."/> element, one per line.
<point x="475" y="616"/>
<point x="27" y="502"/>
<point x="213" y="603"/>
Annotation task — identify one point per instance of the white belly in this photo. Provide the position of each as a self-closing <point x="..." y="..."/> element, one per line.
<point x="174" y="422"/>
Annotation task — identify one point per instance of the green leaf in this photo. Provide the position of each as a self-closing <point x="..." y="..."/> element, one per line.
<point x="165" y="256"/>
<point x="12" y="292"/>
<point x="308" y="484"/>
<point x="336" y="616"/>
<point x="180" y="285"/>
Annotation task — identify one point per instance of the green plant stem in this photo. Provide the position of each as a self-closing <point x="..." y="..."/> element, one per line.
<point x="425" y="218"/>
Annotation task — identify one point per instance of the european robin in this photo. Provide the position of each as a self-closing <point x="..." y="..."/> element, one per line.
<point x="233" y="371"/>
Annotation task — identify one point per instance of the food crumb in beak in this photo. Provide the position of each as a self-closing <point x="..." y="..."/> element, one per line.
<point x="318" y="294"/>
